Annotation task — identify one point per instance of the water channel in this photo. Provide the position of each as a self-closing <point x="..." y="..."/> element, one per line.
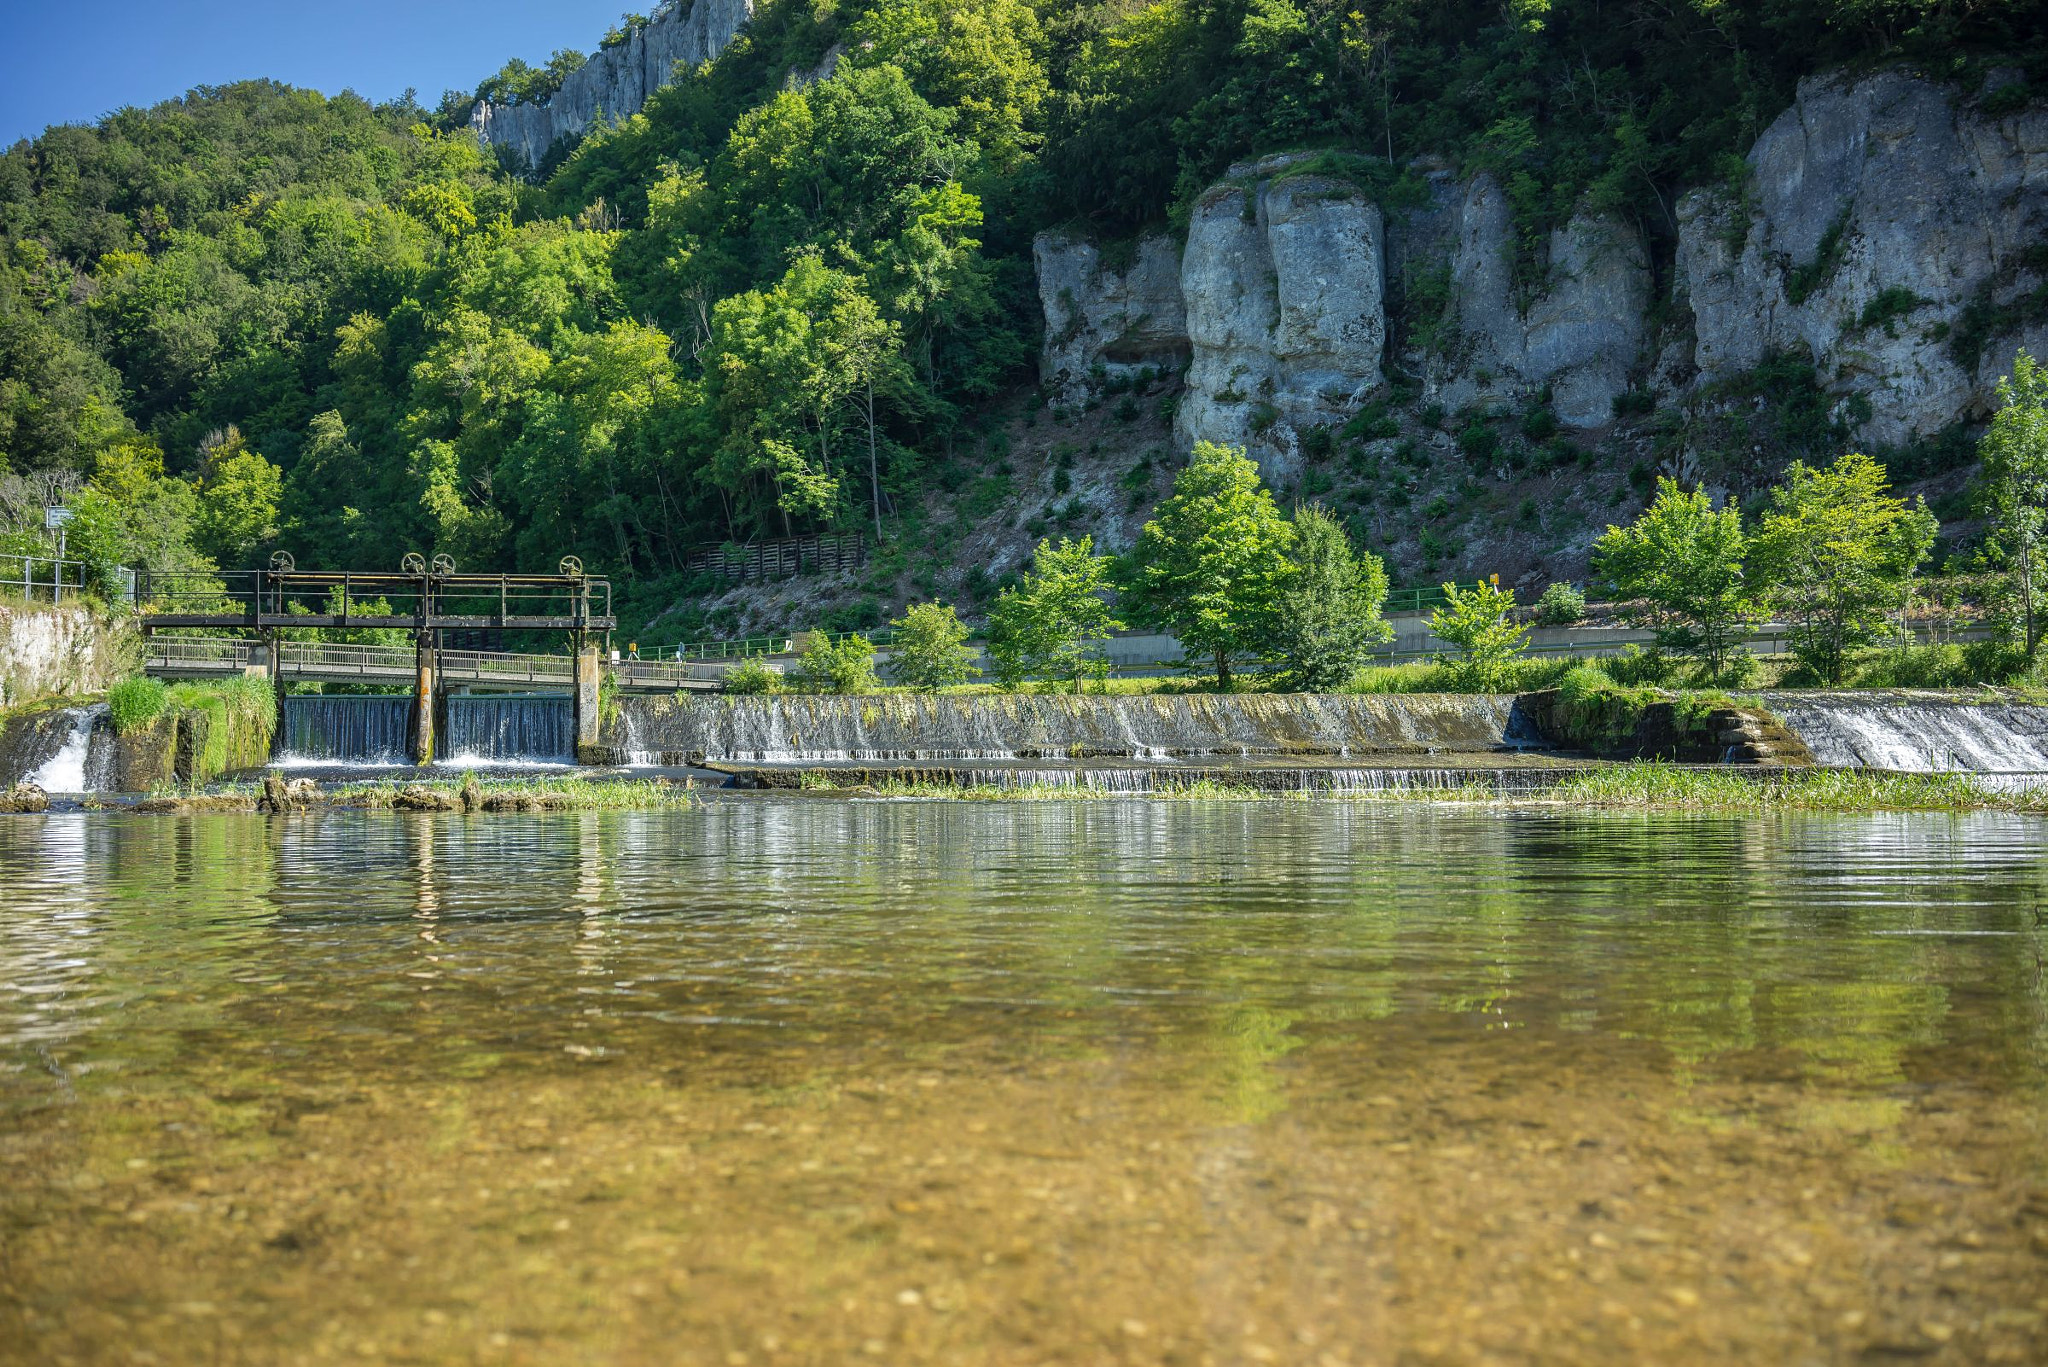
<point x="784" y="1081"/>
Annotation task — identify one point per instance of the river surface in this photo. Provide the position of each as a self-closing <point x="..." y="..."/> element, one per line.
<point x="789" y="1081"/>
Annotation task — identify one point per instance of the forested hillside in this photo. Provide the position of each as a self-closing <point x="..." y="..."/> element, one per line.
<point x="257" y="317"/>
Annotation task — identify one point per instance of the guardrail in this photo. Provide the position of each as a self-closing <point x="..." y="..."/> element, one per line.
<point x="748" y="647"/>
<point x="34" y="576"/>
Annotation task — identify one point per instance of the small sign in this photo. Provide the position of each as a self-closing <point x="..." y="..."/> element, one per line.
<point x="55" y="517"/>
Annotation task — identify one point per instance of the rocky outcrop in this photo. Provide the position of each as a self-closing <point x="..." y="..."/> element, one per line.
<point x="1283" y="281"/>
<point x="1580" y="330"/>
<point x="1890" y="230"/>
<point x="616" y="80"/>
<point x="1105" y="319"/>
<point x="1877" y="213"/>
<point x="47" y="651"/>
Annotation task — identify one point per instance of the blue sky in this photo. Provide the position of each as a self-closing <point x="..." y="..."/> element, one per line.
<point x="72" y="62"/>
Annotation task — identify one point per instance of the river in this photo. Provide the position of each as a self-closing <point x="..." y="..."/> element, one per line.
<point x="777" y="1080"/>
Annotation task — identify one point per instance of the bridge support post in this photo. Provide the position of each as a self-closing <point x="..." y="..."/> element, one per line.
<point x="425" y="690"/>
<point x="266" y="662"/>
<point x="587" y="686"/>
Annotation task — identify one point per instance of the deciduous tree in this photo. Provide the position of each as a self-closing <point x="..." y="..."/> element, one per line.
<point x="1839" y="553"/>
<point x="1212" y="563"/>
<point x="1678" y="569"/>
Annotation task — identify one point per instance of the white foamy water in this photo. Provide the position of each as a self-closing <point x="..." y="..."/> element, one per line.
<point x="1916" y="736"/>
<point x="66" y="771"/>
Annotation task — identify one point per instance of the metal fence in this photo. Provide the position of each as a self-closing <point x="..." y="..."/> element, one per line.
<point x="42" y="578"/>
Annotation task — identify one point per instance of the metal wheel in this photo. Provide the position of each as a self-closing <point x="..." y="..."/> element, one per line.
<point x="414" y="563"/>
<point x="282" y="562"/>
<point x="444" y="565"/>
<point x="571" y="566"/>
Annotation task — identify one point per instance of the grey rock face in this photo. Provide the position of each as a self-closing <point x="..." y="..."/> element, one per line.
<point x="617" y="80"/>
<point x="1581" y="334"/>
<point x="1121" y="320"/>
<point x="1283" y="282"/>
<point x="1878" y="210"/>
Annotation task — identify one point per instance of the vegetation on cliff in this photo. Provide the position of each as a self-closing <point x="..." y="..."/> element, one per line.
<point x="257" y="317"/>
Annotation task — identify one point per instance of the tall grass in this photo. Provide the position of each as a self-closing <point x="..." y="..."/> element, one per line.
<point x="135" y="703"/>
<point x="1662" y="786"/>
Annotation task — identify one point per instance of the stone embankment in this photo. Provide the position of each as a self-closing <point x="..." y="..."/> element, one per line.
<point x="61" y="651"/>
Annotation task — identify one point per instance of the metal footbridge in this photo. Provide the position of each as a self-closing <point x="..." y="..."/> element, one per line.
<point x="201" y="657"/>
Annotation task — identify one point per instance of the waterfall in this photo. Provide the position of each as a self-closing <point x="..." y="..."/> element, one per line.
<point x="510" y="727"/>
<point x="898" y="728"/>
<point x="1917" y="733"/>
<point x="345" y="728"/>
<point x="83" y="759"/>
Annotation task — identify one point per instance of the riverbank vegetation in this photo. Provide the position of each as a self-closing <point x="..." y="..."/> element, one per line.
<point x="1261" y="600"/>
<point x="1642" y="785"/>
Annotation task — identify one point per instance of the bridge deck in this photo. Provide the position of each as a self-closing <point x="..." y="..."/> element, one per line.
<point x="181" y="657"/>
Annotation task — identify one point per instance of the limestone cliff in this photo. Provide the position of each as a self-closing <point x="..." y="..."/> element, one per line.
<point x="1877" y="213"/>
<point x="1122" y="317"/>
<point x="1889" y="232"/>
<point x="1282" y="279"/>
<point x="1579" y="331"/>
<point x="617" y="80"/>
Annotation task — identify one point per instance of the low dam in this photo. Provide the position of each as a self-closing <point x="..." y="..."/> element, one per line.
<point x="924" y="729"/>
<point x="376" y="729"/>
<point x="1287" y="741"/>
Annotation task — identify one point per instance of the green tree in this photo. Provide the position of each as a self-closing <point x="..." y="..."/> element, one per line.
<point x="1212" y="563"/>
<point x="1678" y="568"/>
<point x="1479" y="623"/>
<point x="1329" y="614"/>
<point x="828" y="666"/>
<point x="1839" y="554"/>
<point x="1049" y="626"/>
<point x="978" y="57"/>
<point x="2014" y="451"/>
<point x="238" y="494"/>
<point x="928" y="648"/>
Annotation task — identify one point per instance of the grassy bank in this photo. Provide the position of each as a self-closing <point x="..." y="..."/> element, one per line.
<point x="1661" y="787"/>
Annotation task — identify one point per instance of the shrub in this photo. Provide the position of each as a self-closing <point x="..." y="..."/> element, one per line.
<point x="843" y="666"/>
<point x="1635" y="665"/>
<point x="1561" y="604"/>
<point x="135" y="703"/>
<point x="928" y="648"/>
<point x="751" y="678"/>
<point x="1478" y="623"/>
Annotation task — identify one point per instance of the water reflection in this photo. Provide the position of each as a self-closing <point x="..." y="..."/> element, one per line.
<point x="1094" y="1081"/>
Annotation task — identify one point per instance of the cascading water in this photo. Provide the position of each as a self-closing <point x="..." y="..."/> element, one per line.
<point x="503" y="727"/>
<point x="343" y="728"/>
<point x="1917" y="733"/>
<point x="83" y="760"/>
<point x="826" y="730"/>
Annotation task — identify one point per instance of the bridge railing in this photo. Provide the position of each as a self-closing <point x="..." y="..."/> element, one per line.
<point x="399" y="599"/>
<point x="210" y="653"/>
<point x="482" y="666"/>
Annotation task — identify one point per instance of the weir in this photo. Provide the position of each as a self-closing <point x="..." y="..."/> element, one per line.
<point x="511" y="727"/>
<point x="346" y="729"/>
<point x="1917" y="732"/>
<point x="824" y="730"/>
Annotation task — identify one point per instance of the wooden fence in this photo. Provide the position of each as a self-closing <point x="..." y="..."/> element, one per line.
<point x="781" y="558"/>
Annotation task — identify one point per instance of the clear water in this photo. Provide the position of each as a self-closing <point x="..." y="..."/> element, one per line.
<point x="788" y="1081"/>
